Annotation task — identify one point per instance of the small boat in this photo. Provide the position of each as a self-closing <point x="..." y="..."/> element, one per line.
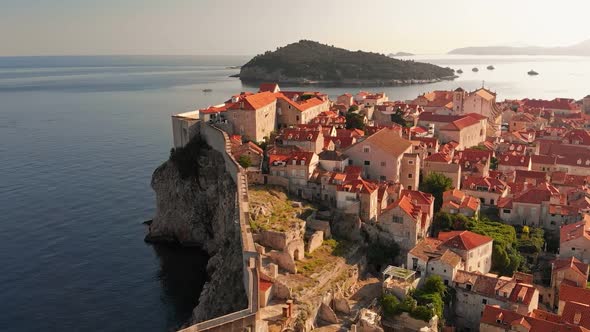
<point x="532" y="72"/>
<point x="207" y="90"/>
<point x="475" y="69"/>
<point x="459" y="71"/>
<point x="490" y="67"/>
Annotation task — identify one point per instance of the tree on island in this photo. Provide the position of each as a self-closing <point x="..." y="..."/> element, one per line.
<point x="436" y="184"/>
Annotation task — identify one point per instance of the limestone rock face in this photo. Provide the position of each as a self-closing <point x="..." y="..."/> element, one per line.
<point x="196" y="206"/>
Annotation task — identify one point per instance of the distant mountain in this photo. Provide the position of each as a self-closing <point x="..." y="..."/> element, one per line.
<point x="580" y="49"/>
<point x="400" y="54"/>
<point x="311" y="62"/>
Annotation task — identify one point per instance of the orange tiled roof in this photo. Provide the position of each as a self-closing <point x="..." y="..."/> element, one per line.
<point x="574" y="231"/>
<point x="571" y="263"/>
<point x="502" y="318"/>
<point x="463" y="240"/>
<point x="461" y="124"/>
<point x="574" y="294"/>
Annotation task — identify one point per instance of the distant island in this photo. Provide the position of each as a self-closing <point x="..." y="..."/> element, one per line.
<point x="580" y="49"/>
<point x="400" y="54"/>
<point x="309" y="62"/>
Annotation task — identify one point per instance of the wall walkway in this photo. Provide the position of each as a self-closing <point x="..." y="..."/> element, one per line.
<point x="244" y="319"/>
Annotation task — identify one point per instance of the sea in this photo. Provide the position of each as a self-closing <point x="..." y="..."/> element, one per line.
<point x="79" y="139"/>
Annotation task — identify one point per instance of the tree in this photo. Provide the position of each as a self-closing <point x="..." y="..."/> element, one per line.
<point x="398" y="117"/>
<point x="355" y="121"/>
<point x="434" y="284"/>
<point x="494" y="163"/>
<point x="245" y="161"/>
<point x="436" y="184"/>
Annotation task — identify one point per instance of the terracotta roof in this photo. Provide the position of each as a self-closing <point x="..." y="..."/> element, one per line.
<point x="574" y="294"/>
<point x="463" y="240"/>
<point x="508" y="159"/>
<point x="264" y="285"/>
<point x="576" y="313"/>
<point x="492" y="184"/>
<point x="300" y="105"/>
<point x="439" y="157"/>
<point x="524" y="175"/>
<point x="332" y="155"/>
<point x="563" y="210"/>
<point x="349" y="133"/>
<point x="341" y="142"/>
<point x="299" y="134"/>
<point x="574" y="231"/>
<point x="454" y="194"/>
<point x="557" y="103"/>
<point x="571" y="263"/>
<point x="540" y="193"/>
<point x="438" y="98"/>
<point x="254" y="101"/>
<point x="388" y="141"/>
<point x="271" y="87"/>
<point x="522" y="293"/>
<point x="426" y="249"/>
<point x="358" y="186"/>
<point x="502" y="318"/>
<point x="298" y="157"/>
<point x="485" y="94"/>
<point x="433" y="117"/>
<point x="461" y="124"/>
<point x="450" y="258"/>
<point x="504" y="202"/>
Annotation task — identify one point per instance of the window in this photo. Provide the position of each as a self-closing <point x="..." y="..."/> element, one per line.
<point x="445" y="270"/>
<point x="350" y="162"/>
<point x="383" y="164"/>
<point x="411" y="162"/>
<point x="573" y="249"/>
<point x="366" y="149"/>
<point x="398" y="220"/>
<point x="484" y="301"/>
<point x="506" y="211"/>
<point x="431" y="269"/>
<point x="297" y="117"/>
<point x="409" y="187"/>
<point x="367" y="163"/>
<point x="468" y="286"/>
<point x="409" y="175"/>
<point x="446" y="282"/>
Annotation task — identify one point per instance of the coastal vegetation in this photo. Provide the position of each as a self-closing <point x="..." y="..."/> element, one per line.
<point x="511" y="244"/>
<point x="313" y="61"/>
<point x="422" y="303"/>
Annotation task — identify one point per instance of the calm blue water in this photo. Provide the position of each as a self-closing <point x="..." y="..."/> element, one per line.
<point x="79" y="140"/>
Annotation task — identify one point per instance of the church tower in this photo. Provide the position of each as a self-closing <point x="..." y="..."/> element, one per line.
<point x="458" y="99"/>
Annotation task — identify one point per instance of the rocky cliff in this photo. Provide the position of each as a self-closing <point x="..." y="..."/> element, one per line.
<point x="196" y="206"/>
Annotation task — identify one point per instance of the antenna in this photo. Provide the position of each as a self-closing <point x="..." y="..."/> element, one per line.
<point x="483" y="84"/>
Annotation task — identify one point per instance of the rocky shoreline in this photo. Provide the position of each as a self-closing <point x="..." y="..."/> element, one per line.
<point x="342" y="83"/>
<point x="185" y="186"/>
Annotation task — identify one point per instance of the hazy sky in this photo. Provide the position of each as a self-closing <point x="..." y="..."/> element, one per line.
<point x="48" y="27"/>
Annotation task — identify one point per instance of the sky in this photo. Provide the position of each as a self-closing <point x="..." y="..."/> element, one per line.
<point x="249" y="27"/>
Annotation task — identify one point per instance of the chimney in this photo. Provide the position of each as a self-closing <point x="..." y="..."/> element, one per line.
<point x="290" y="307"/>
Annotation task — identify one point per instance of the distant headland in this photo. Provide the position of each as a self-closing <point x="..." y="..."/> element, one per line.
<point x="400" y="54"/>
<point x="579" y="49"/>
<point x="309" y="62"/>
